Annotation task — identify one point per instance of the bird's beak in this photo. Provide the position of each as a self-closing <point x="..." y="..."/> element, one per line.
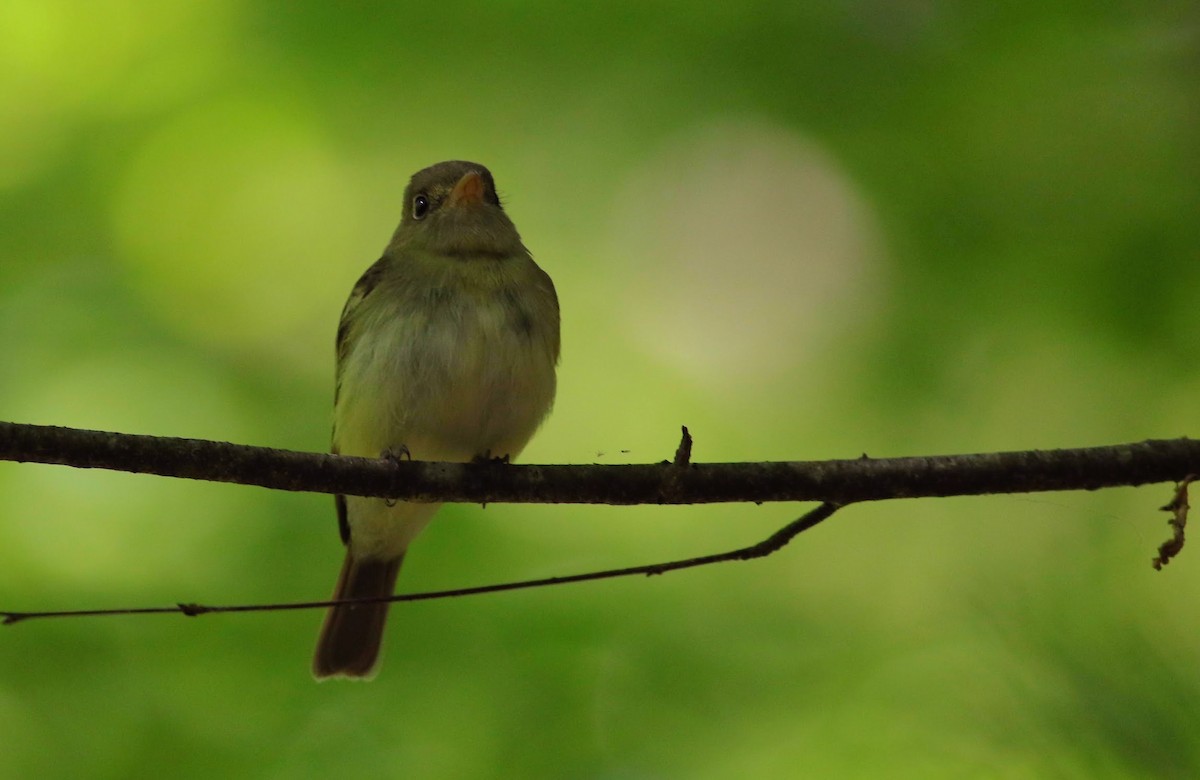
<point x="468" y="190"/>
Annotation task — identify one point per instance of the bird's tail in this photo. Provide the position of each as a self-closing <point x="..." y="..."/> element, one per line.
<point x="352" y="634"/>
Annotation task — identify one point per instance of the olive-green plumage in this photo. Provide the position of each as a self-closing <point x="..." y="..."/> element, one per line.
<point x="446" y="350"/>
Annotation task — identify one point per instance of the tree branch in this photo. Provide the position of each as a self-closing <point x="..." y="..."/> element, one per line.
<point x="680" y="482"/>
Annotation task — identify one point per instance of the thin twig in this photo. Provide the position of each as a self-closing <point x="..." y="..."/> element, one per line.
<point x="771" y="544"/>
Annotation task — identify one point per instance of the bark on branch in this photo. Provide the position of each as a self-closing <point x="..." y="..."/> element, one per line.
<point x="678" y="482"/>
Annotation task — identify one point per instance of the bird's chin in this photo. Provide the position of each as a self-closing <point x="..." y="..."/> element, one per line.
<point x="475" y="252"/>
<point x="478" y="235"/>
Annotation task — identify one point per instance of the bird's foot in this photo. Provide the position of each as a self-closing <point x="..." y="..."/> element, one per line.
<point x="395" y="455"/>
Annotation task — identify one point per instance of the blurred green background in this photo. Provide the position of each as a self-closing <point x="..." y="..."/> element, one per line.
<point x="804" y="230"/>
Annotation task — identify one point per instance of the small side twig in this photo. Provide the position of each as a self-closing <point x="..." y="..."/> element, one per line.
<point x="683" y="455"/>
<point x="1178" y="507"/>
<point x="771" y="544"/>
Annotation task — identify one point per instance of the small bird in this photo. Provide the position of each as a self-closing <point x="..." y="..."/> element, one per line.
<point x="446" y="351"/>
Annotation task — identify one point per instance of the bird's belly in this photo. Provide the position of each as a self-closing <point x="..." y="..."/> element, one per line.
<point x="446" y="389"/>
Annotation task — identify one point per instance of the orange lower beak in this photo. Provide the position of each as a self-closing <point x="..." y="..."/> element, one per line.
<point x="468" y="190"/>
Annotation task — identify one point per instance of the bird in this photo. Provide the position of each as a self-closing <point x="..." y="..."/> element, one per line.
<point x="447" y="350"/>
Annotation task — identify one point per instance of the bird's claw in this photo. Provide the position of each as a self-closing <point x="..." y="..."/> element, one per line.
<point x="395" y="455"/>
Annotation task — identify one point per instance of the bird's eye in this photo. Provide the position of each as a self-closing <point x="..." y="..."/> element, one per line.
<point x="420" y="207"/>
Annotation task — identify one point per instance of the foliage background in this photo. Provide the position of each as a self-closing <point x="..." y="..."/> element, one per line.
<point x="804" y="230"/>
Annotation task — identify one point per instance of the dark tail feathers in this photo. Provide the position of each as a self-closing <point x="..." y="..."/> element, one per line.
<point x="352" y="634"/>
